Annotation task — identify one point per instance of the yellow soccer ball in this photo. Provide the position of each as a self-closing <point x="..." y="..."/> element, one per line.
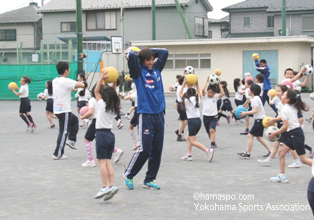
<point x="265" y="120"/>
<point x="191" y="79"/>
<point x="13" y="85"/>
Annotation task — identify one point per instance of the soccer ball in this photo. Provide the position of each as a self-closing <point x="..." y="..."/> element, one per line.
<point x="247" y="74"/>
<point x="189" y="70"/>
<point x="255" y="56"/>
<point x="269" y="130"/>
<point x="173" y="88"/>
<point x="40" y="96"/>
<point x="309" y="70"/>
<point x="312" y="96"/>
<point x="213" y="79"/>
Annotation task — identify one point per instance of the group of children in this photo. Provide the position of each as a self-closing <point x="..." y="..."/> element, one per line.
<point x="104" y="106"/>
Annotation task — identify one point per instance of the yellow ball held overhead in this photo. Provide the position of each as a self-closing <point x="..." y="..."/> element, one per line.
<point x="255" y="56"/>
<point x="272" y="93"/>
<point x="112" y="75"/>
<point x="265" y="120"/>
<point x="12" y="85"/>
<point x="218" y="72"/>
<point x="191" y="79"/>
<point x="136" y="49"/>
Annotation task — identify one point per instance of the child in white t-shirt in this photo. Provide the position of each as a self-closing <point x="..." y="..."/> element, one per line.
<point x="210" y="113"/>
<point x="259" y="114"/>
<point x="48" y="95"/>
<point x="247" y="105"/>
<point x="239" y="92"/>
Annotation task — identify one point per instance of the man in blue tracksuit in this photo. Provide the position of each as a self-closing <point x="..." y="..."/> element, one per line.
<point x="146" y="75"/>
<point x="263" y="68"/>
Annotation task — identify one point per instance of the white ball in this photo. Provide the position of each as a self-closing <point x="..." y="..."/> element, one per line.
<point x="312" y="95"/>
<point x="213" y="79"/>
<point x="269" y="130"/>
<point x="189" y="70"/>
<point x="247" y="74"/>
<point x="309" y="70"/>
<point x="40" y="95"/>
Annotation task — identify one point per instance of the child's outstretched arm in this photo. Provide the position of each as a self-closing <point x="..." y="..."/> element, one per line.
<point x="182" y="88"/>
<point x="103" y="75"/>
<point x="296" y="77"/>
<point x="205" y="84"/>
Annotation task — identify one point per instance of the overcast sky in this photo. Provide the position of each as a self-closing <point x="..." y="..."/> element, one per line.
<point x="217" y="5"/>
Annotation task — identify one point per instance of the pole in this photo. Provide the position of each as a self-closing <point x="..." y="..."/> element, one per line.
<point x="122" y="34"/>
<point x="79" y="36"/>
<point x="283" y="17"/>
<point x="153" y="20"/>
<point x="183" y="19"/>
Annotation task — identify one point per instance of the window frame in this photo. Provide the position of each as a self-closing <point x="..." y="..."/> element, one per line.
<point x="246" y="26"/>
<point x="187" y="57"/>
<point x="203" y="26"/>
<point x="272" y="21"/>
<point x="306" y="16"/>
<point x="100" y="29"/>
<point x="5" y="34"/>
<point x="69" y="22"/>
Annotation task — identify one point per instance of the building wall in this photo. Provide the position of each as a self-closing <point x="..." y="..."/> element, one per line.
<point x="258" y="22"/>
<point x="293" y="23"/>
<point x="293" y="55"/>
<point x="24" y="35"/>
<point x="216" y="30"/>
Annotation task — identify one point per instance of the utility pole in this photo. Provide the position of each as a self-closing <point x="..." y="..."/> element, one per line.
<point x="183" y="19"/>
<point x="122" y="34"/>
<point x="283" y="17"/>
<point x="153" y="20"/>
<point x="79" y="36"/>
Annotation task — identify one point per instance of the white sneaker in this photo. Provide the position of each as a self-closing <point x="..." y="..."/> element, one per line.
<point x="71" y="144"/>
<point x="279" y="179"/>
<point x="295" y="165"/>
<point x="114" y="190"/>
<point x="266" y="162"/>
<point x="186" y="157"/>
<point x="128" y="117"/>
<point x="118" y="155"/>
<point x="119" y="124"/>
<point x="63" y="157"/>
<point x="210" y="154"/>
<point x="89" y="164"/>
<point x="102" y="192"/>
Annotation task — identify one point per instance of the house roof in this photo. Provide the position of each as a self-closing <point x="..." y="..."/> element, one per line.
<point x="69" y="5"/>
<point x="22" y="15"/>
<point x="221" y="20"/>
<point x="273" y="5"/>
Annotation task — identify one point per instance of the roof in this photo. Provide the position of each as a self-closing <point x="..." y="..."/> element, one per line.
<point x="221" y="20"/>
<point x="69" y="5"/>
<point x="256" y="34"/>
<point x="22" y="15"/>
<point x="273" y="5"/>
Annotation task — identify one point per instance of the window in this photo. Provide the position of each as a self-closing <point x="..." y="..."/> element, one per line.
<point x="8" y="35"/>
<point x="210" y="34"/>
<point x="247" y="22"/>
<point x="199" y="26"/>
<point x="270" y="21"/>
<point x="180" y="61"/>
<point x="68" y="26"/>
<point x="308" y="23"/>
<point x="101" y="20"/>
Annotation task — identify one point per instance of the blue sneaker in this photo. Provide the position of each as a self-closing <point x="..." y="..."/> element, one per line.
<point x="150" y="185"/>
<point x="279" y="179"/>
<point x="128" y="182"/>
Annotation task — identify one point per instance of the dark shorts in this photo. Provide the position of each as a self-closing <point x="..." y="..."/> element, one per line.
<point x="310" y="194"/>
<point x="105" y="142"/>
<point x="238" y="102"/>
<point x="218" y="104"/>
<point x="182" y="113"/>
<point x="257" y="129"/>
<point x="49" y="106"/>
<point x="133" y="104"/>
<point x="210" y="122"/>
<point x="91" y="131"/>
<point x="284" y="136"/>
<point x="226" y="106"/>
<point x="194" y="126"/>
<point x="244" y="99"/>
<point x="81" y="104"/>
<point x="25" y="105"/>
<point x="134" y="119"/>
<point x="295" y="141"/>
<point x="300" y="115"/>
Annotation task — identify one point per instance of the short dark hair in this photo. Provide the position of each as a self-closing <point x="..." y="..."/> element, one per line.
<point x="260" y="77"/>
<point x="62" y="67"/>
<point x="249" y="82"/>
<point x="263" y="61"/>
<point x="214" y="88"/>
<point x="288" y="69"/>
<point x="256" y="89"/>
<point x="145" y="54"/>
<point x="178" y="76"/>
<point x="181" y="80"/>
